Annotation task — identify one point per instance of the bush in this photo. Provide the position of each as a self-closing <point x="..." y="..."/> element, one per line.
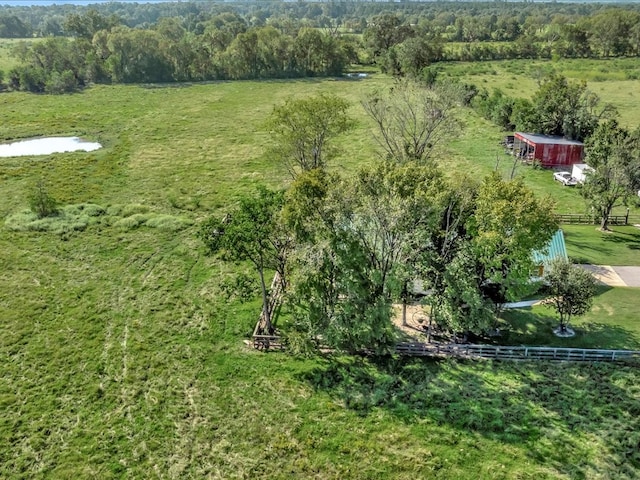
<point x="168" y="222"/>
<point x="41" y="203"/>
<point x="131" y="222"/>
<point x="126" y="210"/>
<point x="64" y="82"/>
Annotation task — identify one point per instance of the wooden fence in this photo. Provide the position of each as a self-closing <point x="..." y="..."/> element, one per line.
<point x="497" y="352"/>
<point x="262" y="338"/>
<point x="584" y="219"/>
<point x="515" y="352"/>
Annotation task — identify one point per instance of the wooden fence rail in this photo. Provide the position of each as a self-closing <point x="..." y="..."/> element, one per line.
<point x="585" y="219"/>
<point x="515" y="352"/>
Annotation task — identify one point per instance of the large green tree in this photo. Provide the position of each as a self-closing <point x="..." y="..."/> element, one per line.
<point x="481" y="253"/>
<point x="565" y="108"/>
<point x="303" y="131"/>
<point x="614" y="154"/>
<point x="508" y="224"/>
<point x="362" y="239"/>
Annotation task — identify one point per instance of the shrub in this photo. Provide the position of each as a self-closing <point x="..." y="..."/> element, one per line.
<point x="131" y="222"/>
<point x="168" y="222"/>
<point x="64" y="82"/>
<point x="41" y="202"/>
<point x="126" y="210"/>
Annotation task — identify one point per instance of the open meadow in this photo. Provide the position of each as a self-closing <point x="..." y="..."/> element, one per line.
<point x="121" y="356"/>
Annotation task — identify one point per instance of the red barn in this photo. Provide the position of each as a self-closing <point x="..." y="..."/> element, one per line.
<point x="547" y="150"/>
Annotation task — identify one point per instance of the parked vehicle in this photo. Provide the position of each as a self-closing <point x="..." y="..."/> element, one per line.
<point x="580" y="172"/>
<point x="565" y="178"/>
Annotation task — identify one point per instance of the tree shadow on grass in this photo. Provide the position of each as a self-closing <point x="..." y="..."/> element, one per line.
<point x="630" y="238"/>
<point x="549" y="409"/>
<point x="528" y="327"/>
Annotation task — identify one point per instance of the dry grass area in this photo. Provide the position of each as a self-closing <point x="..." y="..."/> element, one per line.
<point x="417" y="321"/>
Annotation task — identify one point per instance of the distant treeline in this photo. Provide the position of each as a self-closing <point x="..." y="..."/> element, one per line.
<point x="178" y="41"/>
<point x="227" y="49"/>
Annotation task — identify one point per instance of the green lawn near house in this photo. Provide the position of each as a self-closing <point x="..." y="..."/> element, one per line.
<point x="612" y="323"/>
<point x="587" y="244"/>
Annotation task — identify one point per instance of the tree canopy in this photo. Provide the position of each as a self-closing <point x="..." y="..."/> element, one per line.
<point x="411" y="119"/>
<point x="571" y="290"/>
<point x="303" y="131"/>
<point x="614" y="155"/>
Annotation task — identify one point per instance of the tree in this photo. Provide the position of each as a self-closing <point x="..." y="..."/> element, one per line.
<point x="411" y="119"/>
<point x="360" y="241"/>
<point x="303" y="130"/>
<point x="386" y="30"/>
<point x="567" y="109"/>
<point x="610" y="31"/>
<point x="614" y="154"/>
<point x="417" y="53"/>
<point x="508" y="224"/>
<point x="41" y="202"/>
<point x="481" y="253"/>
<point x="571" y="290"/>
<point x="253" y="232"/>
<point x="12" y="27"/>
<point x="87" y="25"/>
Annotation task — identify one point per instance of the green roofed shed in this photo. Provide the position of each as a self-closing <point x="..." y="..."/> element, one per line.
<point x="556" y="248"/>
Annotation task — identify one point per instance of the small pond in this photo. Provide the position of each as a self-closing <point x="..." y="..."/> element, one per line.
<point x="46" y="146"/>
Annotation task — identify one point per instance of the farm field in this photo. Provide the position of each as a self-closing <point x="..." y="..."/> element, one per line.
<point x="615" y="81"/>
<point x="122" y="357"/>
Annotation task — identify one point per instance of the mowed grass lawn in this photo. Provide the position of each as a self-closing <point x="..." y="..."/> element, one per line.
<point x="613" y="322"/>
<point x="121" y="357"/>
<point x="587" y="244"/>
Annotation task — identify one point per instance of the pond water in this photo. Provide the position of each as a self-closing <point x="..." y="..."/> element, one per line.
<point x="46" y="146"/>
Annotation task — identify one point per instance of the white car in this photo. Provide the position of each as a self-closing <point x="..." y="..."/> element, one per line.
<point x="565" y="178"/>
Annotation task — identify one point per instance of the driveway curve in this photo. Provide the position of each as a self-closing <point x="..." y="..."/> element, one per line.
<point x="615" y="276"/>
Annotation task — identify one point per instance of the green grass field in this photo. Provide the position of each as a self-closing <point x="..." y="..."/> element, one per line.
<point x="122" y="358"/>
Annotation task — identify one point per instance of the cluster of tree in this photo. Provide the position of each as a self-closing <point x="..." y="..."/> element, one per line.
<point x="227" y="49"/>
<point x="453" y="21"/>
<point x="402" y="41"/>
<point x="351" y="246"/>
<point x="400" y="47"/>
<point x="558" y="107"/>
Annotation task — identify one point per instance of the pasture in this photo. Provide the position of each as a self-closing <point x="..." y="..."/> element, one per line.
<point x="123" y="357"/>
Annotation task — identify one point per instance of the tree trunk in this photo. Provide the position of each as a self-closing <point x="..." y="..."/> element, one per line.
<point x="265" y="302"/>
<point x="604" y="223"/>
<point x="405" y="294"/>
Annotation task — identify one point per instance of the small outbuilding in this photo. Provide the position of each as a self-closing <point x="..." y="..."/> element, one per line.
<point x="547" y="150"/>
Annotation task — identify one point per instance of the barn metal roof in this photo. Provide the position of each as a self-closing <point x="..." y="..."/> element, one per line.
<point x="554" y="249"/>
<point x="539" y="138"/>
